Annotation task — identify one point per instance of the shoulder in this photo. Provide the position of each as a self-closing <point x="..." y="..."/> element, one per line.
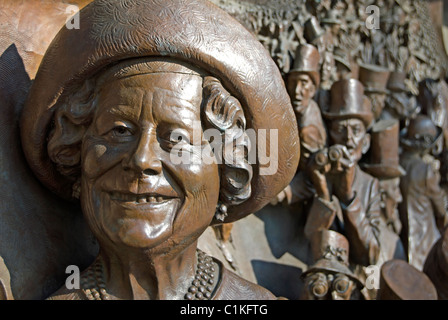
<point x="233" y="287"/>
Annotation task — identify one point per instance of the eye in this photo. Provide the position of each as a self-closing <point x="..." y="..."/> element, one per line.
<point x="121" y="130"/>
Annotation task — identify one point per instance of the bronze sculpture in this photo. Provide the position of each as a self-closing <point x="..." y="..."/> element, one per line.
<point x="384" y="165"/>
<point x="423" y="209"/>
<point x="122" y="105"/>
<point x="268" y="248"/>
<point x="329" y="277"/>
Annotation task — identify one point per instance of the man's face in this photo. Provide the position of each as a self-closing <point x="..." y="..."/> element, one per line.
<point x="352" y="134"/>
<point x="403" y="103"/>
<point x="301" y="90"/>
<point x="133" y="195"/>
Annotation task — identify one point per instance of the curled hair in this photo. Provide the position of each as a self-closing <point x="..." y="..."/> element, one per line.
<point x="220" y="110"/>
<point x="224" y="112"/>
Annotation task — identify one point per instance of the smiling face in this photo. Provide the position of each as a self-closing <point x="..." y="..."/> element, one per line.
<point x="132" y="193"/>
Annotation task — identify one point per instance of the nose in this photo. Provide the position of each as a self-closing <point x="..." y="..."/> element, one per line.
<point x="143" y="159"/>
<point x="298" y="91"/>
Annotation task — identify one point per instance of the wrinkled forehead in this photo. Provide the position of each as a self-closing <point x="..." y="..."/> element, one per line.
<point x="347" y="122"/>
<point x="149" y="65"/>
<point x="164" y="76"/>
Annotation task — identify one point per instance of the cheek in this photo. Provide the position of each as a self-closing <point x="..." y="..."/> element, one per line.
<point x="98" y="158"/>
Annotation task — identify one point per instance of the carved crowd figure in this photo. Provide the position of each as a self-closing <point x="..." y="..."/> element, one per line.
<point x="374" y="78"/>
<point x="348" y="200"/>
<point x="112" y="106"/>
<point x="384" y="164"/>
<point x="329" y="277"/>
<point x="401" y="104"/>
<point x="423" y="210"/>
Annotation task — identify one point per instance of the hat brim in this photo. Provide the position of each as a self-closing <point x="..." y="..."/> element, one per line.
<point x="204" y="36"/>
<point x="383" y="171"/>
<point x="366" y="118"/>
<point x="411" y="143"/>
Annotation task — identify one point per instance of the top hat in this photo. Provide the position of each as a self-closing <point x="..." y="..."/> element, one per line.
<point x="348" y="101"/>
<point x="396" y="82"/>
<point x="401" y="281"/>
<point x="307" y="61"/>
<point x="331" y="17"/>
<point x="421" y="133"/>
<point x="374" y="78"/>
<point x="312" y="30"/>
<point x="117" y="30"/>
<point x="384" y="148"/>
<point x="330" y="252"/>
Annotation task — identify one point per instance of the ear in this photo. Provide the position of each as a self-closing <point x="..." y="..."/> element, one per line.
<point x="366" y="143"/>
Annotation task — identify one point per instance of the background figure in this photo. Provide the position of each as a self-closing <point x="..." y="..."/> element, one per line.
<point x="384" y="164"/>
<point x="348" y="199"/>
<point x="330" y="277"/>
<point x="401" y="104"/>
<point x="374" y="78"/>
<point x="303" y="81"/>
<point x="423" y="209"/>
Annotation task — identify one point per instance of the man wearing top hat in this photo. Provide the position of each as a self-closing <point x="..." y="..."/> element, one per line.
<point x="400" y="103"/>
<point x="374" y="78"/>
<point x="302" y="83"/>
<point x="384" y="165"/>
<point x="348" y="199"/>
<point x="423" y="210"/>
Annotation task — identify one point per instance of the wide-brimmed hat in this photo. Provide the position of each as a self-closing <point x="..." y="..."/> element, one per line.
<point x="374" y="78"/>
<point x="421" y="133"/>
<point x="348" y="101"/>
<point x="195" y="32"/>
<point x="307" y="61"/>
<point x="330" y="252"/>
<point x="384" y="160"/>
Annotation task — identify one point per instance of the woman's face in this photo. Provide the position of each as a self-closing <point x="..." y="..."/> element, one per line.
<point x="133" y="194"/>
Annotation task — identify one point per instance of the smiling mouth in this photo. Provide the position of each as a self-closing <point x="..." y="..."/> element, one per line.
<point x="139" y="198"/>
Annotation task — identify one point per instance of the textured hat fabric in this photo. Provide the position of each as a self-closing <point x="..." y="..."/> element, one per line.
<point x="374" y="78"/>
<point x="384" y="150"/>
<point x="194" y="31"/>
<point x="307" y="61"/>
<point x="348" y="101"/>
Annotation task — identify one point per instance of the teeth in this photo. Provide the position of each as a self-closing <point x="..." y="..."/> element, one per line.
<point x="141" y="199"/>
<point x="138" y="199"/>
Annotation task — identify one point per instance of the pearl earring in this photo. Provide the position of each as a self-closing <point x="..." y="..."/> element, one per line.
<point x="221" y="212"/>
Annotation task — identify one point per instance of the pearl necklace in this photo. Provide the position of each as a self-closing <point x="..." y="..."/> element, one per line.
<point x="94" y="285"/>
